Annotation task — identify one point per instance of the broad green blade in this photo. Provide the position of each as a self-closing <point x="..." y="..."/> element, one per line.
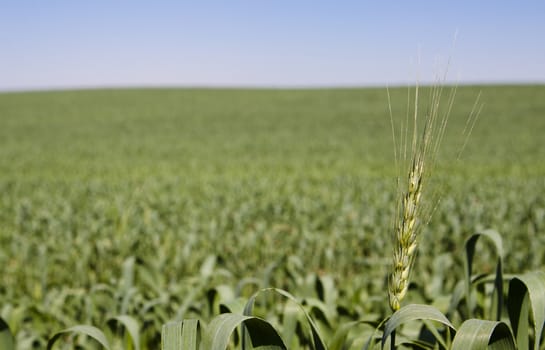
<point x="171" y="337"/>
<point x="181" y="335"/>
<point x="6" y="338"/>
<point x="413" y="312"/>
<point x="481" y="334"/>
<point x="290" y="319"/>
<point x="90" y="331"/>
<point x="190" y="335"/>
<point x="518" y="308"/>
<point x="526" y="295"/>
<point x="131" y="325"/>
<point x="261" y="333"/>
<point x="470" y="244"/>
<point x="319" y="344"/>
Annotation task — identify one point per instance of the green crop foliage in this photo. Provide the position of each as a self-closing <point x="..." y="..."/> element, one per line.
<point x="126" y="215"/>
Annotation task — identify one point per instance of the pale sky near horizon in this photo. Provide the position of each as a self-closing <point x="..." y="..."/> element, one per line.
<point x="281" y="43"/>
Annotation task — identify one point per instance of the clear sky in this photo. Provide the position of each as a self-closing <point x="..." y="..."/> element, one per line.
<point x="59" y="44"/>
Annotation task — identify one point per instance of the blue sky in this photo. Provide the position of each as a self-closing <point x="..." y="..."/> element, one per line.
<point x="63" y="44"/>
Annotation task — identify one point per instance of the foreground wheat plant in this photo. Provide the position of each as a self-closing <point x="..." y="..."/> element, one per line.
<point x="410" y="212"/>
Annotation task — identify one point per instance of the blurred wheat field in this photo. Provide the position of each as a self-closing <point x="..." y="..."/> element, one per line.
<point x="161" y="204"/>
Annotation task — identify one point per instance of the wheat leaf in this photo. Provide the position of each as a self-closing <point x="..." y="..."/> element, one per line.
<point x="90" y="331"/>
<point x="131" y="325"/>
<point x="526" y="295"/>
<point x="219" y="332"/>
<point x="476" y="334"/>
<point x="410" y="313"/>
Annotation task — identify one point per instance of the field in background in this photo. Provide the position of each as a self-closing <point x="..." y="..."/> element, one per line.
<point x="161" y="203"/>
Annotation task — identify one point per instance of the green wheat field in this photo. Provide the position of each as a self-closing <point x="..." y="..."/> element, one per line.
<point x="132" y="210"/>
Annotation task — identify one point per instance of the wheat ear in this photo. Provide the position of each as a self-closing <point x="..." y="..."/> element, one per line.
<point x="406" y="234"/>
<point x="410" y="212"/>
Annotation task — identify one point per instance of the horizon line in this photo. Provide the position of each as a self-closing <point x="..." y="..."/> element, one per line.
<point x="91" y="87"/>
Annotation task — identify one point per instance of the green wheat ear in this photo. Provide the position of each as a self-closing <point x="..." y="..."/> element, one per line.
<point x="411" y="212"/>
